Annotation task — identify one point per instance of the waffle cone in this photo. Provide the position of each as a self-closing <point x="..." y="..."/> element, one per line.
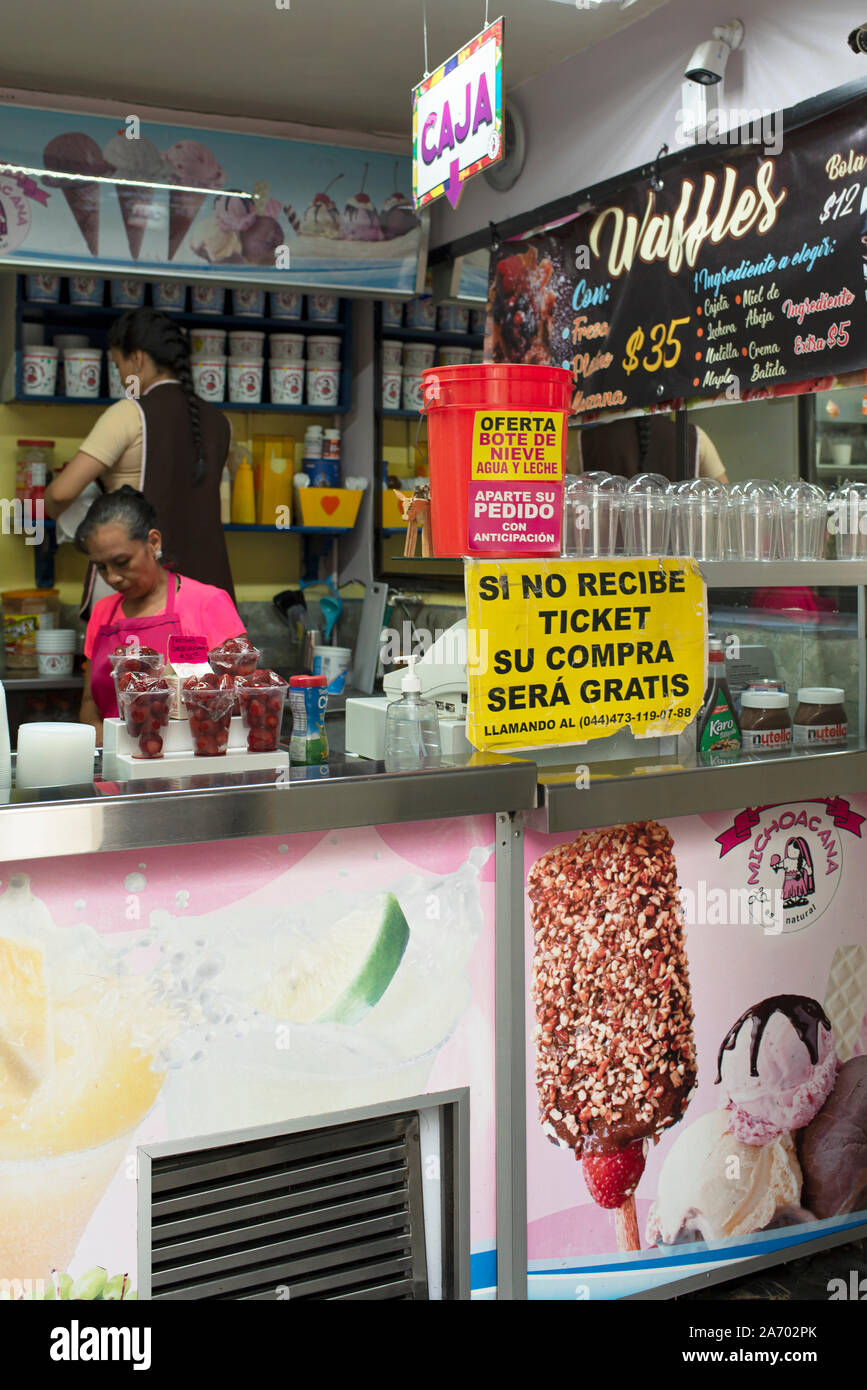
<point x="183" y="207"/>
<point x="134" y="205"/>
<point x="82" y="199"/>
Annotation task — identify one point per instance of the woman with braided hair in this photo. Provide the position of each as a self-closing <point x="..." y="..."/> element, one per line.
<point x="162" y="440"/>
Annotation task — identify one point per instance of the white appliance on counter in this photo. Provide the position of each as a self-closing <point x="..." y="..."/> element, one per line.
<point x="442" y="672"/>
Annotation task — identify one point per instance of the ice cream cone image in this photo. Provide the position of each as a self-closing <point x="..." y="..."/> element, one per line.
<point x="136" y="206"/>
<point x="140" y="162"/>
<point x="190" y="163"/>
<point x="75" y="153"/>
<point x="76" y="1079"/>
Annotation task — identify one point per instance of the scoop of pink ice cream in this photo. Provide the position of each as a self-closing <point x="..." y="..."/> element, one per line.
<point x="777" y="1067"/>
<point x="235" y="214"/>
<point x="193" y="164"/>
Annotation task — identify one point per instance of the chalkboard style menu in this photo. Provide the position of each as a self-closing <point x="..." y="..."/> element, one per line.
<point x="744" y="273"/>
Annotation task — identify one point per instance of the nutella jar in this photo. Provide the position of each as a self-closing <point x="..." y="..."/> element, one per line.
<point x="820" y="719"/>
<point x="766" y="725"/>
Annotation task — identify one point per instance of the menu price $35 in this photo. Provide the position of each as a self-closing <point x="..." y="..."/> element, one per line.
<point x="665" y="346"/>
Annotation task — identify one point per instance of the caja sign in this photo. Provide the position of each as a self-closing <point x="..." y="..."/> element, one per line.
<point x="457" y="119"/>
<point x="793" y="855"/>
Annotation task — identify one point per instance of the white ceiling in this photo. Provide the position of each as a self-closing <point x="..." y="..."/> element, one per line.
<point x="345" y="64"/>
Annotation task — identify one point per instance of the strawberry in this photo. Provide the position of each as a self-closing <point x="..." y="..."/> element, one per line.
<point x="511" y="273"/>
<point x="613" y="1177"/>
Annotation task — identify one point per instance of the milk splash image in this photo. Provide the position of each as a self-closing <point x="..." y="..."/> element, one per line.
<point x="304" y="1008"/>
<point x="80" y="1042"/>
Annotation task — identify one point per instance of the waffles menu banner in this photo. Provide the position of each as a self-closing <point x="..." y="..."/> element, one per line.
<point x="100" y="193"/>
<point x="566" y="652"/>
<point x="740" y="275"/>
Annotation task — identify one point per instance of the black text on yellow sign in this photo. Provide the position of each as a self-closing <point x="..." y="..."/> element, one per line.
<point x="563" y="651"/>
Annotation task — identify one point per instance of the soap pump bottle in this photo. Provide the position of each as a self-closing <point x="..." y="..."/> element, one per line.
<point x="412" y="728"/>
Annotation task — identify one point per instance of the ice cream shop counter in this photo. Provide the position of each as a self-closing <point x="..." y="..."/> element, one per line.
<point x="433" y="1034"/>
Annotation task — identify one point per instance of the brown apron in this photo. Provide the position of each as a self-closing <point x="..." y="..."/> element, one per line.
<point x="188" y="514"/>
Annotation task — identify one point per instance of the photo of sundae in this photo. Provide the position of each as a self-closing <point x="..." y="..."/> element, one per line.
<point x="360" y="221"/>
<point x="521" y="307"/>
<point x="322" y="217"/>
<point x="78" y="154"/>
<point x="776" y="1065"/>
<point x="193" y="164"/>
<point x="789" y="1143"/>
<point x="140" y="160"/>
<point x="241" y="231"/>
<point x="397" y="216"/>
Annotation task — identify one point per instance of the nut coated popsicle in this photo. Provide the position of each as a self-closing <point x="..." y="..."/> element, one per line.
<point x="615" y="1054"/>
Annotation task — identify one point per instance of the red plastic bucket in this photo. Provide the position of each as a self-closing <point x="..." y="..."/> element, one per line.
<point x="452" y="397"/>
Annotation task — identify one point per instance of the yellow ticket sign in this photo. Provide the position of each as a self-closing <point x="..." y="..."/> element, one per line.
<point x="564" y="651"/>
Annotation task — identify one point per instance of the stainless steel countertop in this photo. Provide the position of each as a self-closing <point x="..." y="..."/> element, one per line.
<point x="659" y="788"/>
<point x="113" y="816"/>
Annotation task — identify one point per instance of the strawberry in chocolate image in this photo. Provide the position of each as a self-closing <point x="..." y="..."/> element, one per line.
<point x="521" y="306"/>
<point x="611" y="1178"/>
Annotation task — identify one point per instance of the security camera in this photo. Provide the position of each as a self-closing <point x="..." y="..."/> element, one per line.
<point x="708" y="63"/>
<point x="858" y="39"/>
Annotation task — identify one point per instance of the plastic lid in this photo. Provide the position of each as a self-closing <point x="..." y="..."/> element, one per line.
<point x="40" y="443"/>
<point x="307" y="682"/>
<point x="821" y="695"/>
<point x="765" y="699"/>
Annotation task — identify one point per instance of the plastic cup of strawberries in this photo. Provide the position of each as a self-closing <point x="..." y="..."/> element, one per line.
<point x="144" y="703"/>
<point x="262" y="695"/>
<point x="235" y="657"/>
<point x="141" y="660"/>
<point x="210" y="702"/>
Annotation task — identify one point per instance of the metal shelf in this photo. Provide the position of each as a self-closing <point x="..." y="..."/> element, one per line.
<point x="228" y="406"/>
<point x="649" y="787"/>
<point x="751" y="574"/>
<point x="15" y="684"/>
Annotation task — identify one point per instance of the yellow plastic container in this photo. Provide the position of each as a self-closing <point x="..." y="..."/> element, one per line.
<point x="274" y="497"/>
<point x="243" y="496"/>
<point x="391" y="513"/>
<point x="333" y="507"/>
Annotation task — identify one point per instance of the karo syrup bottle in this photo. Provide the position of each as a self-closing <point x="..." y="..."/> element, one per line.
<point x="718" y="735"/>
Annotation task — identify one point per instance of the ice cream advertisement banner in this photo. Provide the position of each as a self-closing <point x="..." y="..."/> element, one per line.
<point x="105" y="193"/>
<point x="171" y="993"/>
<point x="697" y="1058"/>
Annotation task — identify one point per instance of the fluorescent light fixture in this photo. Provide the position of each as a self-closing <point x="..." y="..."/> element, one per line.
<point x="127" y="183"/>
<point x="588" y="4"/>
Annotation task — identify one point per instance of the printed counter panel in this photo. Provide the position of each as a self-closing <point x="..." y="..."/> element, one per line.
<point x="697" y="1042"/>
<point x="184" y="991"/>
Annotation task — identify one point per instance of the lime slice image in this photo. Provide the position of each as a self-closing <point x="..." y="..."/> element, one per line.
<point x="341" y="978"/>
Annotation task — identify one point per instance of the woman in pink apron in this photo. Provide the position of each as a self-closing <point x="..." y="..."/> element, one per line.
<point x="150" y="603"/>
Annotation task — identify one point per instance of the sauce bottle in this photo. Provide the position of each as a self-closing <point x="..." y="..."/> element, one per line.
<point x="718" y="731"/>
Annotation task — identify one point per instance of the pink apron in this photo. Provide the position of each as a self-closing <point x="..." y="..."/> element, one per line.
<point x="154" y="631"/>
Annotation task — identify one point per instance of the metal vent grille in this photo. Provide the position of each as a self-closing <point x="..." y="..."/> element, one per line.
<point x="330" y="1213"/>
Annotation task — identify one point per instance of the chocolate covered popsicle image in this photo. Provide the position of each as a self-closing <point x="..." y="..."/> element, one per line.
<point x="615" y="1053"/>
